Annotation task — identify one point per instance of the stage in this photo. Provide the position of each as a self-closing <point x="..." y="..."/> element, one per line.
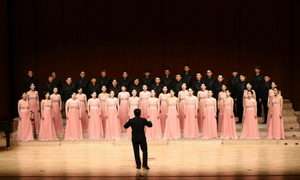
<point x="171" y="159"/>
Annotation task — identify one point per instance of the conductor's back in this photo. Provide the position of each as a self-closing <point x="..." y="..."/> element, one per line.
<point x="137" y="125"/>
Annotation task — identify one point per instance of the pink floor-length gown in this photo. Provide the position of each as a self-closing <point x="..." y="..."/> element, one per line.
<point x="24" y="126"/>
<point x="271" y="95"/>
<point x="84" y="116"/>
<point x="183" y="95"/>
<point x="221" y="108"/>
<point x="250" y="124"/>
<point x="124" y="96"/>
<point x="113" y="130"/>
<point x="103" y="110"/>
<point x="73" y="126"/>
<point x="190" y="127"/>
<point x="209" y="130"/>
<point x="95" y="124"/>
<point x="155" y="131"/>
<point x="144" y="98"/>
<point x="202" y="96"/>
<point x="47" y="128"/>
<point x="134" y="104"/>
<point x="33" y="106"/>
<point x="172" y="128"/>
<point x="228" y="130"/>
<point x="276" y="127"/>
<point x="58" y="124"/>
<point x="163" y="110"/>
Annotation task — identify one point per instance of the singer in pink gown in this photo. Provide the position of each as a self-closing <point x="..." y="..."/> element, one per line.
<point x="181" y="96"/>
<point x="221" y="97"/>
<point x="153" y="114"/>
<point x="56" y="99"/>
<point x="34" y="106"/>
<point x="144" y="95"/>
<point x="123" y="97"/>
<point x="163" y="106"/>
<point x="133" y="104"/>
<point x="113" y="128"/>
<point x="202" y="95"/>
<point x="228" y="130"/>
<point x="24" y="126"/>
<point x="250" y="123"/>
<point x="73" y="119"/>
<point x="209" y="130"/>
<point x="270" y="97"/>
<point x="190" y="127"/>
<point x="276" y="127"/>
<point x="84" y="117"/>
<point x="172" y="128"/>
<point x="95" y="123"/>
<point x="47" y="128"/>
<point x="103" y="97"/>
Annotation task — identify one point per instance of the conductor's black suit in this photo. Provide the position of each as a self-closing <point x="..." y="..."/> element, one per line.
<point x="139" y="139"/>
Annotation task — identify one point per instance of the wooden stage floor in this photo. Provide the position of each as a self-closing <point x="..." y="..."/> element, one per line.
<point x="191" y="161"/>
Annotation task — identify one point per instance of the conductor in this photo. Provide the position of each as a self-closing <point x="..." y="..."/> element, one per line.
<point x="138" y="137"/>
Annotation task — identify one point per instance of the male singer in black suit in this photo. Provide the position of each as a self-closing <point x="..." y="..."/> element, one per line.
<point x="263" y="95"/>
<point x="125" y="81"/>
<point x="56" y="81"/>
<point x="217" y="86"/>
<point x="136" y="85"/>
<point x="67" y="89"/>
<point x="82" y="82"/>
<point x="93" y="87"/>
<point x="147" y="80"/>
<point x="176" y="84"/>
<point x="209" y="80"/>
<point x="138" y="137"/>
<point x="241" y="86"/>
<point x="48" y="87"/>
<point x="104" y="80"/>
<point x="187" y="76"/>
<point x="30" y="80"/>
<point x="167" y="79"/>
<point x="257" y="80"/>
<point x="232" y="84"/>
<point x="197" y="83"/>
<point x="157" y="86"/>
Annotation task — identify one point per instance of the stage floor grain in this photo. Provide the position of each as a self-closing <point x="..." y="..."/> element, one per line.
<point x="172" y="162"/>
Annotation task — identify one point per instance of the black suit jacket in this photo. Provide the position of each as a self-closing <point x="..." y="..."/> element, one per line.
<point x="217" y="87"/>
<point x="241" y="86"/>
<point x="232" y="84"/>
<point x="138" y="125"/>
<point x="57" y="83"/>
<point x="93" y="88"/>
<point x="188" y="79"/>
<point x="209" y="82"/>
<point x="148" y="81"/>
<point x="28" y="81"/>
<point x="157" y="88"/>
<point x="48" y="87"/>
<point x="66" y="91"/>
<point x="106" y="81"/>
<point x="257" y="80"/>
<point x="176" y="86"/>
<point x="83" y="83"/>
<point x="125" y="82"/>
<point x="138" y="88"/>
<point x="197" y="86"/>
<point x="167" y="81"/>
<point x="264" y="91"/>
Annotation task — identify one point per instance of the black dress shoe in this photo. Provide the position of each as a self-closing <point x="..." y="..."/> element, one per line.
<point x="146" y="167"/>
<point x="138" y="167"/>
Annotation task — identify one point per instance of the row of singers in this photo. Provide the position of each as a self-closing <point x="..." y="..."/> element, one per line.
<point x="261" y="83"/>
<point x="168" y="113"/>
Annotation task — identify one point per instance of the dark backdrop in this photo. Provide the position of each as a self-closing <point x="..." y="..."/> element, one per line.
<point x="71" y="35"/>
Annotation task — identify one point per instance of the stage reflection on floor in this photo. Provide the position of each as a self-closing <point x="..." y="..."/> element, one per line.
<point x="171" y="161"/>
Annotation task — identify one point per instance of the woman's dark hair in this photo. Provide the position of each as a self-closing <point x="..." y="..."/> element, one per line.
<point x="275" y="82"/>
<point x="164" y="87"/>
<point x="250" y="92"/>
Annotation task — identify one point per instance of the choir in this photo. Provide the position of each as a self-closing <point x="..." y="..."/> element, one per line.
<point x="197" y="109"/>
